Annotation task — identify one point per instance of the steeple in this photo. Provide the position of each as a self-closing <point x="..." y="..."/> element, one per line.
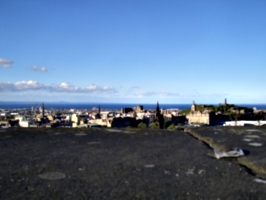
<point x="159" y="117"/>
<point x="193" y="106"/>
<point x="158" y="112"/>
<point x="43" y="110"/>
<point x="99" y="110"/>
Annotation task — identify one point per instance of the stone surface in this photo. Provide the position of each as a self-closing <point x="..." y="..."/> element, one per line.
<point x="80" y="134"/>
<point x="147" y="164"/>
<point x="52" y="175"/>
<point x="241" y="137"/>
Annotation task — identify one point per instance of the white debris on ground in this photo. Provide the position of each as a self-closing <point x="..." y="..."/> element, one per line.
<point x="253" y="130"/>
<point x="247" y="139"/>
<point x="80" y="134"/>
<point x="129" y="132"/>
<point x="201" y="171"/>
<point x="167" y="172"/>
<point x="252" y="136"/>
<point x="82" y="168"/>
<point x="259" y="180"/>
<point x="149" y="166"/>
<point x="120" y="131"/>
<point x="52" y="175"/>
<point x="255" y="144"/>
<point x="94" y="143"/>
<point x="232" y="152"/>
<point x="190" y="172"/>
<point x="113" y="130"/>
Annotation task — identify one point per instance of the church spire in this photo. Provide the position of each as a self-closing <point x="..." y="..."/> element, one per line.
<point x="158" y="112"/>
<point x="193" y="106"/>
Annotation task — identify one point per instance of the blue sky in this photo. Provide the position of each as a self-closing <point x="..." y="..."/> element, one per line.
<point x="133" y="51"/>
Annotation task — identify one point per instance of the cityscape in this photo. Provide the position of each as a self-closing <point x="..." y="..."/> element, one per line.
<point x="136" y="117"/>
<point x="133" y="99"/>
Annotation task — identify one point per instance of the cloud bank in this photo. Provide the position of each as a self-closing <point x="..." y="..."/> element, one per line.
<point x="63" y="87"/>
<point x="161" y="94"/>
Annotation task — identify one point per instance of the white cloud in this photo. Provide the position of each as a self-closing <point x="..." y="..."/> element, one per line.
<point x="63" y="87"/>
<point x="20" y="86"/>
<point x="208" y="95"/>
<point x="28" y="85"/>
<point x="6" y="63"/>
<point x="135" y="87"/>
<point x="42" y="69"/>
<point x="160" y="94"/>
<point x="6" y="66"/>
<point x="34" y="68"/>
<point x="91" y="87"/>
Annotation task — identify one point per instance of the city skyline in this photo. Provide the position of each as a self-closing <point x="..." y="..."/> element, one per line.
<point x="133" y="51"/>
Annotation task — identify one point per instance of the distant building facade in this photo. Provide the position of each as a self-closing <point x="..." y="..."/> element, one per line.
<point x="200" y="117"/>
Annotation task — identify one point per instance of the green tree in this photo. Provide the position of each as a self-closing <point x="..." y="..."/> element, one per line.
<point x="142" y="125"/>
<point x="184" y="112"/>
<point x="167" y="123"/>
<point x="153" y="125"/>
<point x="171" y="127"/>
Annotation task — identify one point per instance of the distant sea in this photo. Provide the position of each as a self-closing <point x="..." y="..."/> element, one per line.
<point x="105" y="106"/>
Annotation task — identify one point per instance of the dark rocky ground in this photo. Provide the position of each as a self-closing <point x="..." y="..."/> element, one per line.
<point x="117" y="164"/>
<point x="251" y="139"/>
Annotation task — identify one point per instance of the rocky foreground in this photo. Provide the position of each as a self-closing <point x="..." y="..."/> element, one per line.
<point x="131" y="164"/>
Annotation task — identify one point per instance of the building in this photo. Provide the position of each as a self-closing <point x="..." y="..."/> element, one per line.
<point x="200" y="117"/>
<point x="159" y="117"/>
<point x="223" y="104"/>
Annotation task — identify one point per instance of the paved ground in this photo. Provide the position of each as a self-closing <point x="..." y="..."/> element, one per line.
<point x="118" y="164"/>
<point x="251" y="139"/>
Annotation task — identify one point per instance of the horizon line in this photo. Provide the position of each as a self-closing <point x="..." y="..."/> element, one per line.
<point x="118" y="102"/>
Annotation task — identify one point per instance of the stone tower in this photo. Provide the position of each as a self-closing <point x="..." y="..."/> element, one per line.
<point x="159" y="117"/>
<point x="158" y="112"/>
<point x="193" y="106"/>
<point x="42" y="110"/>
